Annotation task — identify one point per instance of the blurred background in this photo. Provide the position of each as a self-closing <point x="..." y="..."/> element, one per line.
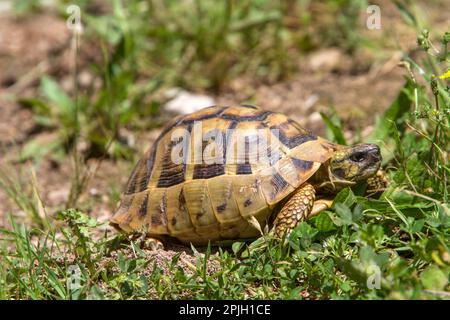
<point x="85" y="86"/>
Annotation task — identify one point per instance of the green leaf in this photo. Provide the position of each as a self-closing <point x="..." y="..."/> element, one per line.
<point x="357" y="212"/>
<point x="37" y="105"/>
<point x="360" y="188"/>
<point x="367" y="254"/>
<point x="304" y="233"/>
<point x="95" y="293"/>
<point x="122" y="262"/>
<point x="344" y="213"/>
<point x="345" y="196"/>
<point x="433" y="278"/>
<point x="323" y="222"/>
<point x="406" y="13"/>
<point x="335" y="128"/>
<point x="400" y="200"/>
<point x="373" y="234"/>
<point x="34" y="148"/>
<point x="237" y="246"/>
<point x="53" y="280"/>
<point x="417" y="226"/>
<point x="354" y="270"/>
<point x="382" y="258"/>
<point x="304" y="230"/>
<point x="346" y="287"/>
<point x="53" y="92"/>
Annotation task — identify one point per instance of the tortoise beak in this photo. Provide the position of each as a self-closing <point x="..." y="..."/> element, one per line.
<point x="368" y="152"/>
<point x="373" y="152"/>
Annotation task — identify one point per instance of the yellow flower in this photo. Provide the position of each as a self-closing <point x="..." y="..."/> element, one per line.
<point x="445" y="75"/>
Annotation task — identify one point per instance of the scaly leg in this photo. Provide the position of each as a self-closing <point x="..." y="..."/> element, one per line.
<point x="320" y="205"/>
<point x="298" y="208"/>
<point x="377" y="183"/>
<point x="153" y="244"/>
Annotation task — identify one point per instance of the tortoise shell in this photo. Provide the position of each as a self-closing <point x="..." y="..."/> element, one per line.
<point x="197" y="200"/>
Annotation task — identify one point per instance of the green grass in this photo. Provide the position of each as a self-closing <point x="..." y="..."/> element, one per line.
<point x="404" y="234"/>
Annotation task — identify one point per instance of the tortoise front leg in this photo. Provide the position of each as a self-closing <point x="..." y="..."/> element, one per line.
<point x="320" y="205"/>
<point x="152" y="244"/>
<point x="377" y="184"/>
<point x="298" y="208"/>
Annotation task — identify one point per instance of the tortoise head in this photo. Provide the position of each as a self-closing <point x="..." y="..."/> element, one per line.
<point x="352" y="164"/>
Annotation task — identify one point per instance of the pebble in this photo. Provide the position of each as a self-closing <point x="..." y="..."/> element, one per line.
<point x="325" y="60"/>
<point x="184" y="102"/>
<point x="315" y="117"/>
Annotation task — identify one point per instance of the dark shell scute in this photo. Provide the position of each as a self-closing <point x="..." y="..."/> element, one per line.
<point x="292" y="142"/>
<point x="244" y="168"/>
<point x="171" y="174"/>
<point x="255" y="117"/>
<point x="278" y="183"/>
<point x="302" y="165"/>
<point x="206" y="171"/>
<point x="143" y="208"/>
<point x="138" y="180"/>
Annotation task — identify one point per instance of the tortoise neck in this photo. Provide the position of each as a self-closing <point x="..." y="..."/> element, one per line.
<point x="323" y="183"/>
<point x="320" y="178"/>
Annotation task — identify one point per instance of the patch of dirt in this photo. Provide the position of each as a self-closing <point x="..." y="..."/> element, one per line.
<point x="27" y="47"/>
<point x="26" y="42"/>
<point x="16" y="124"/>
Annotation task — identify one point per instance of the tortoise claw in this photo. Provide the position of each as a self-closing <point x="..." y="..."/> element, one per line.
<point x="377" y="184"/>
<point x="152" y="244"/>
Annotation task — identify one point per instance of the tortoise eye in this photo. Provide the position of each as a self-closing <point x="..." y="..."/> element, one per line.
<point x="358" y="157"/>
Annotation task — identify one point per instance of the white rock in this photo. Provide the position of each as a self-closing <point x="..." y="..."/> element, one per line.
<point x="325" y="59"/>
<point x="184" y="102"/>
<point x="94" y="192"/>
<point x="315" y="117"/>
<point x="85" y="78"/>
<point x="5" y="6"/>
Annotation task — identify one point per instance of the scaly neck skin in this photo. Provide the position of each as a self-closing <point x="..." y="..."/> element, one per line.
<point x="325" y="183"/>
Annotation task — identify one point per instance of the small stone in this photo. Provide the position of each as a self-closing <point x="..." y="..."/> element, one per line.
<point x="5" y="6"/>
<point x="326" y="60"/>
<point x="94" y="192"/>
<point x="184" y="102"/>
<point x="85" y="78"/>
<point x="315" y="119"/>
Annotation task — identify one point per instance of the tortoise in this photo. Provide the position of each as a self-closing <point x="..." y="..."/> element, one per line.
<point x="227" y="172"/>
